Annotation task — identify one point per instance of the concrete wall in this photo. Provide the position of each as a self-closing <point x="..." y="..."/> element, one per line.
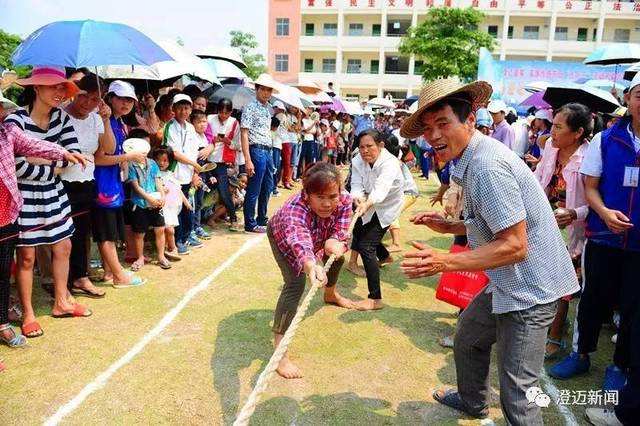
<point x="287" y="45"/>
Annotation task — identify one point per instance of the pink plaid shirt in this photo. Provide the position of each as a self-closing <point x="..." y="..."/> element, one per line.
<point x="300" y="234"/>
<point x="14" y="141"/>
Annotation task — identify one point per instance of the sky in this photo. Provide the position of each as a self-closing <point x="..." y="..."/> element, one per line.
<point x="199" y="23"/>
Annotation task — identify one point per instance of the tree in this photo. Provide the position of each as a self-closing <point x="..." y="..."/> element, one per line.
<point x="448" y="42"/>
<point x="246" y="43"/>
<point x="8" y="43"/>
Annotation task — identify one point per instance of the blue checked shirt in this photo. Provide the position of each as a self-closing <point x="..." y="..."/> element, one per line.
<point x="499" y="192"/>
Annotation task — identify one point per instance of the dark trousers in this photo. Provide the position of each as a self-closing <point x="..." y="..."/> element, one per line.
<point x="198" y="198"/>
<point x="259" y="188"/>
<point x="307" y="156"/>
<point x="220" y="172"/>
<point x="81" y="199"/>
<point x="8" y="239"/>
<point x="185" y="219"/>
<point x="366" y="241"/>
<point x="628" y="408"/>
<point x="293" y="286"/>
<point x="520" y="338"/>
<point x="611" y="278"/>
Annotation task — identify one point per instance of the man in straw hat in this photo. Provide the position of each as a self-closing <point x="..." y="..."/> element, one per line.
<point x="513" y="236"/>
<point x="255" y="138"/>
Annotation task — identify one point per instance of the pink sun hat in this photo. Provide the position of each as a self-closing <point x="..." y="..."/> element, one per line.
<point x="49" y="76"/>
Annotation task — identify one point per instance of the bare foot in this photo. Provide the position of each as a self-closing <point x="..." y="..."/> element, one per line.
<point x="334" y="298"/>
<point x="288" y="370"/>
<point x="385" y="262"/>
<point x="394" y="248"/>
<point x="368" y="304"/>
<point x="356" y="270"/>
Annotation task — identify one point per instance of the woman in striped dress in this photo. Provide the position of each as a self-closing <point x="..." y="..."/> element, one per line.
<point x="45" y="217"/>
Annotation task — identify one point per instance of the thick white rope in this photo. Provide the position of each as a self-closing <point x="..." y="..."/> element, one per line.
<point x="264" y="378"/>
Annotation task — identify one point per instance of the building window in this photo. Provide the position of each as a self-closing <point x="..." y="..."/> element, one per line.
<point x="510" y="32"/>
<point x="309" y="29"/>
<point x="398" y="28"/>
<point x="417" y="68"/>
<point x="356" y="29"/>
<point x="308" y="65"/>
<point x="351" y="97"/>
<point x="330" y="29"/>
<point x="582" y="34"/>
<point x="531" y="32"/>
<point x="328" y="65"/>
<point x="376" y="30"/>
<point x="395" y="94"/>
<point x="282" y="63"/>
<point x="562" y="33"/>
<point x="282" y="26"/>
<point x="396" y="65"/>
<point x="375" y="66"/>
<point x="621" y="35"/>
<point x="354" y="66"/>
<point x="493" y="31"/>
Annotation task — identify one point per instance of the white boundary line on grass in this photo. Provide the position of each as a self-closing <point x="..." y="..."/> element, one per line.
<point x="102" y="379"/>
<point x="553" y="392"/>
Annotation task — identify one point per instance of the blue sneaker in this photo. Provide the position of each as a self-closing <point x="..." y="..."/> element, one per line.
<point x="569" y="367"/>
<point x="182" y="249"/>
<point x="194" y="242"/>
<point x="614" y="379"/>
<point x="201" y="233"/>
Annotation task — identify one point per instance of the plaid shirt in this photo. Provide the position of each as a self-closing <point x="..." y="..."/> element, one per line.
<point x="300" y="234"/>
<point x="499" y="192"/>
<point x="14" y="141"/>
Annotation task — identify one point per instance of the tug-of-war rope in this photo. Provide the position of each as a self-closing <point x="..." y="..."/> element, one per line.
<point x="264" y="378"/>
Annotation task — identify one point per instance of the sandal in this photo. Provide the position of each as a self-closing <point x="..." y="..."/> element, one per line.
<point x="79" y="291"/>
<point x="552" y="355"/>
<point x="135" y="266"/>
<point x="78" y="311"/>
<point x="172" y="256"/>
<point x="135" y="282"/>
<point x="15" y="310"/>
<point x="17" y="341"/>
<point x="31" y="330"/>
<point x="164" y="264"/>
<point x="451" y="398"/>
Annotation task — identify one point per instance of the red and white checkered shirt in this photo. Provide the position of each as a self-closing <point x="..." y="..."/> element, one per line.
<point x="300" y="234"/>
<point x="14" y="141"/>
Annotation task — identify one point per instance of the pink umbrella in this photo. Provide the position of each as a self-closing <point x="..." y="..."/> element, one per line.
<point x="336" y="106"/>
<point x="535" y="100"/>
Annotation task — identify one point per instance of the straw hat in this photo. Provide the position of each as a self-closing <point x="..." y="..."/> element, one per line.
<point x="435" y="91"/>
<point x="267" y="81"/>
<point x="49" y="76"/>
<point x="6" y="103"/>
<point x="8" y="78"/>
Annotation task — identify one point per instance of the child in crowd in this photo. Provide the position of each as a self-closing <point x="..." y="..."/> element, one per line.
<point x="181" y="137"/>
<point x="147" y="198"/>
<point x="276" y="152"/>
<point x="200" y="124"/>
<point x="175" y="201"/>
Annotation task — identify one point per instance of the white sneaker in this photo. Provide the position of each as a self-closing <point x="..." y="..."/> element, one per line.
<point x="602" y="417"/>
<point x="614" y="338"/>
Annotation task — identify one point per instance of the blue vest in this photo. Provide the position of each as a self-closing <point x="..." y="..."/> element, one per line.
<point x="618" y="152"/>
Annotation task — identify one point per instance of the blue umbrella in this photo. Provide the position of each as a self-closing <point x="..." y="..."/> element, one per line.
<point x="88" y="43"/>
<point x="614" y="54"/>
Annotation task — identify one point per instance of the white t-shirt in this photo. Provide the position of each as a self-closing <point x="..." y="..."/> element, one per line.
<point x="592" y="161"/>
<point x="88" y="132"/>
<point x="184" y="140"/>
<point x="293" y="136"/>
<point x="308" y="123"/>
<point x="337" y="125"/>
<point x="218" y="128"/>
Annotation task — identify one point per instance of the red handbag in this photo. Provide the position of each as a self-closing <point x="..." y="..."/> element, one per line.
<point x="228" y="153"/>
<point x="459" y="288"/>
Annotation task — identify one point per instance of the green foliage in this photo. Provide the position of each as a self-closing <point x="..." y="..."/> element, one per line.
<point x="448" y="42"/>
<point x="8" y="43"/>
<point x="247" y="43"/>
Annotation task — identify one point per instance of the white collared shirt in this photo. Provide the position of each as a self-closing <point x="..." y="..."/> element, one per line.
<point x="183" y="139"/>
<point x="383" y="183"/>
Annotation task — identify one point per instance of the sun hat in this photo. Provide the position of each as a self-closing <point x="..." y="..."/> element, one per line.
<point x="267" y="81"/>
<point x="544" y="114"/>
<point x="279" y="105"/>
<point x="6" y="103"/>
<point x="49" y="76"/>
<point x="136" y="145"/>
<point x="634" y="82"/>
<point x="437" y="90"/>
<point x="8" y="78"/>
<point x="483" y="118"/>
<point x="325" y="122"/>
<point x="181" y="97"/>
<point x="497" y="106"/>
<point x="122" y="89"/>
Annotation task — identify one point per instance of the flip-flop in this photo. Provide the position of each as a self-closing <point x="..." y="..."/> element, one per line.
<point x="135" y="266"/>
<point x="77" y="291"/>
<point x="172" y="256"/>
<point x="451" y="398"/>
<point x="31" y="330"/>
<point x="164" y="264"/>
<point x="78" y="311"/>
<point x="135" y="282"/>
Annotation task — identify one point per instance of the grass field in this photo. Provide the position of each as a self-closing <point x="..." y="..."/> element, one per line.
<point x="361" y="368"/>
